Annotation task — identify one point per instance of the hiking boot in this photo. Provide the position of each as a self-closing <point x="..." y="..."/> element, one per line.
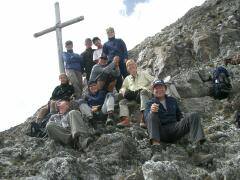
<point x="83" y="142"/>
<point x="142" y="123"/>
<point x="200" y="159"/>
<point x="157" y="152"/>
<point x="156" y="148"/>
<point x="86" y="142"/>
<point x="227" y="61"/>
<point x="124" y="122"/>
<point x="109" y="121"/>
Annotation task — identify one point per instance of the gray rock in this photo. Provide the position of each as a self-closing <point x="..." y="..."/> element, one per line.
<point x="161" y="170"/>
<point x="187" y="50"/>
<point x="61" y="168"/>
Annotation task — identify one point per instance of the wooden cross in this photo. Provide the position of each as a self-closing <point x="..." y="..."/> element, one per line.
<point x="58" y="28"/>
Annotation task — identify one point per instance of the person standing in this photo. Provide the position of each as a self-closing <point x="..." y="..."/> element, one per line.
<point x="87" y="58"/>
<point x="97" y="52"/>
<point x="73" y="67"/>
<point x="116" y="47"/>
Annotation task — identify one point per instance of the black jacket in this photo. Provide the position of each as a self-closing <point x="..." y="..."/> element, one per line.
<point x="171" y="115"/>
<point x="62" y="91"/>
<point x="87" y="61"/>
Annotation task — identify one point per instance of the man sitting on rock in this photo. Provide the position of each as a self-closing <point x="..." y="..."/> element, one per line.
<point x="68" y="127"/>
<point x="165" y="122"/>
<point x="135" y="89"/>
<point x="106" y="74"/>
<point x="97" y="105"/>
<point x="62" y="90"/>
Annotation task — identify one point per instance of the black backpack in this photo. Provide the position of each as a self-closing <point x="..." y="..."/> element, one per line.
<point x="39" y="129"/>
<point x="221" y="83"/>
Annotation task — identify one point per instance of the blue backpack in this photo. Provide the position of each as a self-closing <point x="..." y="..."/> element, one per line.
<point x="221" y="83"/>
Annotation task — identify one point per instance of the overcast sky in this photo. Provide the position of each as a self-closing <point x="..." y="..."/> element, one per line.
<point x="29" y="66"/>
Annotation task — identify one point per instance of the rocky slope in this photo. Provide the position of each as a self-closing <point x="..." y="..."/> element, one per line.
<point x="187" y="50"/>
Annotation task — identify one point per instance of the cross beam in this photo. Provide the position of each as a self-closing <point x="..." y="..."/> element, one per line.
<point x="58" y="28"/>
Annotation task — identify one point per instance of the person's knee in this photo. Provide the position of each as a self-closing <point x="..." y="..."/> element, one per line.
<point x="194" y="116"/>
<point x="123" y="102"/>
<point x="50" y="125"/>
<point x="110" y="94"/>
<point x="81" y="101"/>
<point x="72" y="112"/>
<point x="143" y="92"/>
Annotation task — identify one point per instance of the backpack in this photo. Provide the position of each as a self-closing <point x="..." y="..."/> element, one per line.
<point x="133" y="95"/>
<point x="39" y="129"/>
<point x="221" y="83"/>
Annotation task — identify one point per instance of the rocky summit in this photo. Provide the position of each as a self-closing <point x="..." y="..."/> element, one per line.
<point x="187" y="50"/>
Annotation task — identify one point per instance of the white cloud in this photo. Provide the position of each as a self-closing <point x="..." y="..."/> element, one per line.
<point x="29" y="66"/>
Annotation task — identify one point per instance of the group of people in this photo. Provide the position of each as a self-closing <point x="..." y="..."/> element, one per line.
<point x="93" y="62"/>
<point x="108" y="68"/>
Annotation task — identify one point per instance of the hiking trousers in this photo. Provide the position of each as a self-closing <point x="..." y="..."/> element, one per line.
<point x="108" y="106"/>
<point x="124" y="103"/>
<point x="190" y="124"/>
<point x="75" y="78"/>
<point x="66" y="135"/>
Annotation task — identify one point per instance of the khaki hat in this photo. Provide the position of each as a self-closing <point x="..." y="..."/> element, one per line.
<point x="110" y="29"/>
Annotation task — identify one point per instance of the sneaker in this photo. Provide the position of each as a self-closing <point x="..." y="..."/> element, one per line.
<point x="200" y="159"/>
<point x="124" y="122"/>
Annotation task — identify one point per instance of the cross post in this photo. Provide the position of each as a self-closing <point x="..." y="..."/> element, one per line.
<point x="58" y="28"/>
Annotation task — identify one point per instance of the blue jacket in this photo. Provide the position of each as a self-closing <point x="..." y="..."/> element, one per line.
<point x="171" y="115"/>
<point x="96" y="99"/>
<point x="72" y="61"/>
<point x="115" y="47"/>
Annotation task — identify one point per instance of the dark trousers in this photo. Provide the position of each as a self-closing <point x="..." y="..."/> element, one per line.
<point x="191" y="124"/>
<point x="124" y="73"/>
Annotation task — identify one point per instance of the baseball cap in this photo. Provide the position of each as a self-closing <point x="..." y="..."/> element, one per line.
<point x="158" y="82"/>
<point x="103" y="56"/>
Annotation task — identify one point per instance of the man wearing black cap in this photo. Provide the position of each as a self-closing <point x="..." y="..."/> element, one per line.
<point x="105" y="74"/>
<point x="97" y="105"/>
<point x="165" y="121"/>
